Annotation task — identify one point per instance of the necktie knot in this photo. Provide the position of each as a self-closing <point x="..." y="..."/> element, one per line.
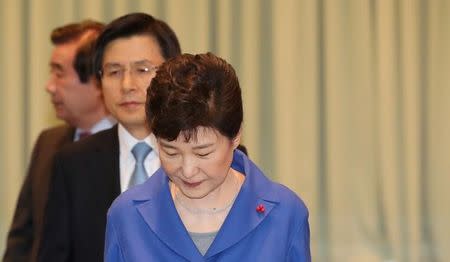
<point x="84" y="134"/>
<point x="140" y="151"/>
<point x="139" y="175"/>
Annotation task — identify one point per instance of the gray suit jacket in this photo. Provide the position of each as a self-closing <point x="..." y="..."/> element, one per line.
<point x="27" y="225"/>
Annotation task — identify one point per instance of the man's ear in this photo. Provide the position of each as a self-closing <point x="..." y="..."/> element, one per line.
<point x="95" y="82"/>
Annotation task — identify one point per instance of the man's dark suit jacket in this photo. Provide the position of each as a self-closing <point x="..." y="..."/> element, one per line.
<point x="86" y="180"/>
<point x="25" y="232"/>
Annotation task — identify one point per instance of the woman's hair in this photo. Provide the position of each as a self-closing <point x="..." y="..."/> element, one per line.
<point x="191" y="91"/>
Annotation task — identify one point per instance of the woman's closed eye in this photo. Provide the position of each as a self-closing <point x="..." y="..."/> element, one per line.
<point x="170" y="153"/>
<point x="203" y="154"/>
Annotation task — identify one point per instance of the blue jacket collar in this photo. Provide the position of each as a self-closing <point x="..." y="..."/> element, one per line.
<point x="155" y="204"/>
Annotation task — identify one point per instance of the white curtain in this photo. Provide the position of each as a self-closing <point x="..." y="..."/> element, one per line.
<point x="346" y="102"/>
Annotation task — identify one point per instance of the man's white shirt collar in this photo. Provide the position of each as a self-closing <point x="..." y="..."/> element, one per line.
<point x="127" y="161"/>
<point x="104" y="123"/>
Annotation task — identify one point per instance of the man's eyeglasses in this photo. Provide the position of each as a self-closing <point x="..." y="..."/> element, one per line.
<point x="141" y="72"/>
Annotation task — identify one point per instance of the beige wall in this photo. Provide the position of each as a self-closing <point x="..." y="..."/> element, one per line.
<point x="346" y="102"/>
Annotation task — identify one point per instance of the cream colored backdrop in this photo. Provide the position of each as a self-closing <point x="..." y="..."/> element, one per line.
<point x="346" y="102"/>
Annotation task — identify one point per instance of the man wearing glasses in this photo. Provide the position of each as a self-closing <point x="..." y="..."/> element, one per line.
<point x="89" y="175"/>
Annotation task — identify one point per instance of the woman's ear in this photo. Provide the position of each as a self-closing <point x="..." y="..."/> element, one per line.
<point x="237" y="139"/>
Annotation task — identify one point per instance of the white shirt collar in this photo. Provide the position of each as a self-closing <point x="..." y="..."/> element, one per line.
<point x="127" y="141"/>
<point x="127" y="161"/>
<point x="104" y="123"/>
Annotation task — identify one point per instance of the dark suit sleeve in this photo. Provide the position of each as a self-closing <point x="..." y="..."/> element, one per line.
<point x="20" y="236"/>
<point x="55" y="245"/>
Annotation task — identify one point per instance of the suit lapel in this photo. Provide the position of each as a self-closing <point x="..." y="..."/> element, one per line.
<point x="161" y="216"/>
<point x="241" y="221"/>
<point x="106" y="163"/>
<point x="244" y="217"/>
<point x="67" y="137"/>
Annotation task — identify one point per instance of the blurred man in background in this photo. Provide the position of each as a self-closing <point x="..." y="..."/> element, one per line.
<point x="78" y="101"/>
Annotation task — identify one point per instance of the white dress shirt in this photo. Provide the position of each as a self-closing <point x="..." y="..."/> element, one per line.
<point x="127" y="161"/>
